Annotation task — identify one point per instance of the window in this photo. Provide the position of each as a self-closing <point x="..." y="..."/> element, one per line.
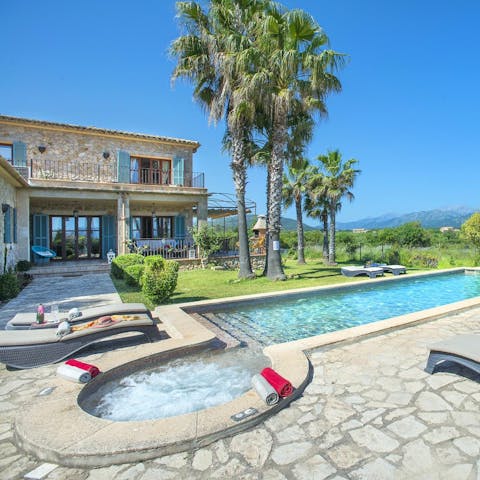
<point x="152" y="227"/>
<point x="6" y="151"/>
<point x="151" y="171"/>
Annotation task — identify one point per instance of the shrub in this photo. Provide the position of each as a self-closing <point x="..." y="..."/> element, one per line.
<point x="9" y="286"/>
<point x="155" y="261"/>
<point x="133" y="274"/>
<point x="121" y="262"/>
<point x="23" y="266"/>
<point x="159" y="279"/>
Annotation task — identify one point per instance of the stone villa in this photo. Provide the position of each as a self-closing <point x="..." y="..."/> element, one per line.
<point x="81" y="191"/>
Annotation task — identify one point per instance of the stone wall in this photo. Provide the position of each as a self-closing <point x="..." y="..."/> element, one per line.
<point x="9" y="254"/>
<point x="70" y="149"/>
<point x="230" y="263"/>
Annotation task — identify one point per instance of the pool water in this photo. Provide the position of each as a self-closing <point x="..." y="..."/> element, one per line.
<point x="179" y="386"/>
<point x="294" y="317"/>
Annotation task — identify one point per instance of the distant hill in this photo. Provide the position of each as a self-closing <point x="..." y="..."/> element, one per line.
<point x="448" y="217"/>
<point x="451" y="217"/>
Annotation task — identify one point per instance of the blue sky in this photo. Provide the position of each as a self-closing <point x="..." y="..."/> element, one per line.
<point x="408" y="111"/>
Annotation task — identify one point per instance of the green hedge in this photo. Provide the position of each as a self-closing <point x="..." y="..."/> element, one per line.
<point x="159" y="279"/>
<point x="121" y="262"/>
<point x="133" y="274"/>
<point x="9" y="286"/>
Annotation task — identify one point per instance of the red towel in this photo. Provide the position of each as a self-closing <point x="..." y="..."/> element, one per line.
<point x="282" y="386"/>
<point x="92" y="369"/>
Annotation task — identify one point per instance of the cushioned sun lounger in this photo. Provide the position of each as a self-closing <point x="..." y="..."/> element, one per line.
<point x="33" y="348"/>
<point x="25" y="321"/>
<point x="353" y="271"/>
<point x="395" y="269"/>
<point x="461" y="349"/>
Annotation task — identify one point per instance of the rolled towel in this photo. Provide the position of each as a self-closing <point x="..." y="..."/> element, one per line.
<point x="73" y="374"/>
<point x="264" y="390"/>
<point x="281" y="385"/>
<point x="91" y="369"/>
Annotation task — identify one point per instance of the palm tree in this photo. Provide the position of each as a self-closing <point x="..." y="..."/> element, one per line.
<point x="338" y="178"/>
<point x="296" y="68"/>
<point x="215" y="54"/>
<point x="295" y="183"/>
<point x="318" y="208"/>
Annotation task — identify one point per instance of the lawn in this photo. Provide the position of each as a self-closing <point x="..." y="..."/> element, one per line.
<point x="209" y="284"/>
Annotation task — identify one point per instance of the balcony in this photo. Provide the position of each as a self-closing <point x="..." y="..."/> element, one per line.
<point x="106" y="172"/>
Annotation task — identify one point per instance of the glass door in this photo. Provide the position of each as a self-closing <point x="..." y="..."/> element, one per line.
<point x="74" y="238"/>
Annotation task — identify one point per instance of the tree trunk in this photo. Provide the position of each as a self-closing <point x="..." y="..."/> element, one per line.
<point x="267" y="236"/>
<point x="325" y="235"/>
<point x="300" y="235"/>
<point x="240" y="180"/>
<point x="331" y="242"/>
<point x="279" y="140"/>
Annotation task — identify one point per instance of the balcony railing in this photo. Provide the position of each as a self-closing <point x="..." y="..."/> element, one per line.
<point x="106" y="172"/>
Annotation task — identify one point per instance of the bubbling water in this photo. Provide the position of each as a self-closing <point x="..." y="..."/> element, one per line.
<point x="180" y="386"/>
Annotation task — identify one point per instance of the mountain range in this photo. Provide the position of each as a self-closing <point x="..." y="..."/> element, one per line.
<point x="447" y="217"/>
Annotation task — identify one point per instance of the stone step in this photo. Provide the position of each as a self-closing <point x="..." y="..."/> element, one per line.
<point x="69" y="268"/>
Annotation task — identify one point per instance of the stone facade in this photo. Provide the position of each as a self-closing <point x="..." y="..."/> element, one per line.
<point x="89" y="173"/>
<point x="67" y="149"/>
<point x="13" y="194"/>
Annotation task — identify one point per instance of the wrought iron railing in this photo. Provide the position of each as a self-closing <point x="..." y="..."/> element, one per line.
<point x="106" y="172"/>
<point x="48" y="169"/>
<point x="169" y="248"/>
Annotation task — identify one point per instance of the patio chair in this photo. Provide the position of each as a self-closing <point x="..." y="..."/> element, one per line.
<point x="33" y="348"/>
<point x="353" y="271"/>
<point x="26" y="321"/>
<point x="461" y="349"/>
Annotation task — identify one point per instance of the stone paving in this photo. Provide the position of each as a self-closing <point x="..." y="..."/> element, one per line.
<point x="370" y="413"/>
<point x="69" y="291"/>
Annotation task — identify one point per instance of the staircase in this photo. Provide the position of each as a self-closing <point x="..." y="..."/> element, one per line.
<point x="70" y="269"/>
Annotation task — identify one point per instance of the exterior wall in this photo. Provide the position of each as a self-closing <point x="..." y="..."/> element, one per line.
<point x="12" y="252"/>
<point x="71" y="148"/>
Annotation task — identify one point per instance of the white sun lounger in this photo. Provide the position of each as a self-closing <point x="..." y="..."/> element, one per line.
<point x="461" y="349"/>
<point x="353" y="271"/>
<point x="395" y="269"/>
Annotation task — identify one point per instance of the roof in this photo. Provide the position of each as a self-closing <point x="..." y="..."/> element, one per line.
<point x="9" y="172"/>
<point x="95" y="130"/>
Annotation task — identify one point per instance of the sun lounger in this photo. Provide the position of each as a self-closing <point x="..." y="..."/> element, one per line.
<point x="395" y="269"/>
<point x="33" y="348"/>
<point x="25" y="321"/>
<point x="461" y="349"/>
<point x="353" y="271"/>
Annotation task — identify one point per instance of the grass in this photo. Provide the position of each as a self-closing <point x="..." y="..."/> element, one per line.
<point x="209" y="284"/>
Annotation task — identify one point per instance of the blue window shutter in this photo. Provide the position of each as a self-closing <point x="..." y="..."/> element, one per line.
<point x="123" y="167"/>
<point x="19" y="154"/>
<point x="109" y="234"/>
<point x="178" y="171"/>
<point x="40" y="230"/>
<point x="179" y="227"/>
<point x="14" y="225"/>
<point x="7" y="225"/>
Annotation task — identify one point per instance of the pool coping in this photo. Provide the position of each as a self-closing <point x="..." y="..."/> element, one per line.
<point x="95" y="442"/>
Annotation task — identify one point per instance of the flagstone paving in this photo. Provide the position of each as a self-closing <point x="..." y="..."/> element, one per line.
<point x="370" y="412"/>
<point x="82" y="291"/>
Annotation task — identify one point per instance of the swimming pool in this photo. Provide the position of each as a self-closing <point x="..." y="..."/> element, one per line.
<point x="293" y="317"/>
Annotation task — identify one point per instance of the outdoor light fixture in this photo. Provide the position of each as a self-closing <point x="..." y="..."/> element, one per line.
<point x="75" y="213"/>
<point x="42" y="148"/>
<point x="5" y="207"/>
<point x="106" y="155"/>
